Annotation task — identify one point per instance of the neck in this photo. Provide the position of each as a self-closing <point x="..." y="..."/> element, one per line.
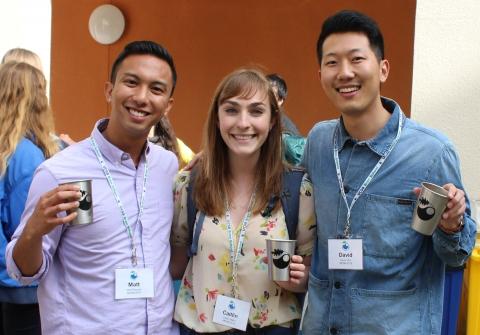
<point x="364" y="126"/>
<point x="134" y="147"/>
<point x="243" y="172"/>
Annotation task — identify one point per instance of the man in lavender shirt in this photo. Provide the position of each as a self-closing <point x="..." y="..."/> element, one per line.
<point x="111" y="276"/>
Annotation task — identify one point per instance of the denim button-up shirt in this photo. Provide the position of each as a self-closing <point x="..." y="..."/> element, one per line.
<point x="400" y="289"/>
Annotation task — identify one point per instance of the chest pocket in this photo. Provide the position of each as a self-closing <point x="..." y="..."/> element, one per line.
<point x="386" y="226"/>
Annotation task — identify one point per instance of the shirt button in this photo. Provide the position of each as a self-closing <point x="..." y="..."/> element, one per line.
<point x="346" y="189"/>
<point x="337" y="285"/>
<point x="333" y="330"/>
<point x="124" y="157"/>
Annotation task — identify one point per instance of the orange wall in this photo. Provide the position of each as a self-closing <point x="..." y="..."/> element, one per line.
<point x="208" y="39"/>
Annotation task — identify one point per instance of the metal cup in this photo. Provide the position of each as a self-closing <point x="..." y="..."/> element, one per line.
<point x="431" y="203"/>
<point x="85" y="210"/>
<point x="279" y="254"/>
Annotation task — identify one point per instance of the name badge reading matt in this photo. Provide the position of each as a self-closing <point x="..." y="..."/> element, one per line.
<point x="231" y="312"/>
<point x="345" y="254"/>
<point x="133" y="283"/>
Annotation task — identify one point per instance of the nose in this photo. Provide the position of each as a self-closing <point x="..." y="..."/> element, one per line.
<point x="140" y="95"/>
<point x="243" y="119"/>
<point x="345" y="71"/>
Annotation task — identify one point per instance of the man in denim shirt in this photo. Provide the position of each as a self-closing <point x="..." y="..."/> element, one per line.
<point x="392" y="277"/>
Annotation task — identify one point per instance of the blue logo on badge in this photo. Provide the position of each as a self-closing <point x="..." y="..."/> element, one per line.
<point x="345" y="246"/>
<point x="133" y="275"/>
<point x="231" y="305"/>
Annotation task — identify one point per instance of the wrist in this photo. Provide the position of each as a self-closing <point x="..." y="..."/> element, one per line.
<point x="453" y="230"/>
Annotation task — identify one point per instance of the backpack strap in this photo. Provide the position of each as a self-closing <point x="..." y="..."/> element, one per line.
<point x="290" y="198"/>
<point x="191" y="216"/>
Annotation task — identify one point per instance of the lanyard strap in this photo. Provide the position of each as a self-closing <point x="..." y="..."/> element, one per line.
<point x="125" y="222"/>
<point x="367" y="181"/>
<point x="234" y="254"/>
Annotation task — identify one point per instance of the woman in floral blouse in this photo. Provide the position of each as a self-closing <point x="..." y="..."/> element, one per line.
<point x="240" y="170"/>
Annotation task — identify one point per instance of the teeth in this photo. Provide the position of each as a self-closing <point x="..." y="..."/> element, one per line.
<point x="243" y="137"/>
<point x="348" y="89"/>
<point x="134" y="112"/>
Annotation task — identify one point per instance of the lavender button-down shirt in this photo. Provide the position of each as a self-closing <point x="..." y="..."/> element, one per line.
<point x="77" y="276"/>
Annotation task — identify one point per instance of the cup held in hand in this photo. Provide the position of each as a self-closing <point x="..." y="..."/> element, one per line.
<point x="431" y="204"/>
<point x="279" y="254"/>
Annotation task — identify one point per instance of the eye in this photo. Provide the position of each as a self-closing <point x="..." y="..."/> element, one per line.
<point x="229" y="110"/>
<point x="330" y="62"/>
<point x="130" y="82"/>
<point x="157" y="89"/>
<point x="357" y="59"/>
<point x="257" y="111"/>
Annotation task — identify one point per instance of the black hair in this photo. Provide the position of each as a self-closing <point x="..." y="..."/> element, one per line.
<point x="351" y="21"/>
<point x="277" y="81"/>
<point x="144" y="48"/>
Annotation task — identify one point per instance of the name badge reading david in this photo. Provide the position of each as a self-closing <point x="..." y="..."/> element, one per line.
<point x="345" y="254"/>
<point x="231" y="312"/>
<point x="133" y="283"/>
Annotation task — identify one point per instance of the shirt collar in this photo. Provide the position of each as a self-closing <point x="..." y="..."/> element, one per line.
<point x="109" y="151"/>
<point x="380" y="143"/>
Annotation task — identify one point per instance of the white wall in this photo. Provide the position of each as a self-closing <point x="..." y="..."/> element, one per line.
<point x="27" y="24"/>
<point x="446" y="79"/>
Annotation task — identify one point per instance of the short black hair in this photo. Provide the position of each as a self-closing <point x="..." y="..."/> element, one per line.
<point x="144" y="48"/>
<point x="351" y="21"/>
<point x="277" y="81"/>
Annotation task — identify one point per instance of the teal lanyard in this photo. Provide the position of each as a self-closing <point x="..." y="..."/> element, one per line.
<point x="346" y="232"/>
<point x="234" y="254"/>
<point x="125" y="222"/>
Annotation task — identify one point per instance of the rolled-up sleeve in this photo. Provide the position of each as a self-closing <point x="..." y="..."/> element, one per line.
<point x="42" y="182"/>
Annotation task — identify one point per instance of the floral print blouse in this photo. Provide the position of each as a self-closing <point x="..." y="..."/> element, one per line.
<point x="208" y="274"/>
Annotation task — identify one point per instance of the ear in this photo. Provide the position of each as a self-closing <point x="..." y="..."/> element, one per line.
<point x="384" y="70"/>
<point x="108" y="91"/>
<point x="169" y="106"/>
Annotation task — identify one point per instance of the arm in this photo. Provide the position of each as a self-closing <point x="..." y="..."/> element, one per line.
<point x="179" y="239"/>
<point x="452" y="243"/>
<point x="306" y="235"/>
<point x="32" y="258"/>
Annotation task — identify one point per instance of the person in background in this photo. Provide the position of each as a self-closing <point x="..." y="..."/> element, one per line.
<point x="164" y="135"/>
<point x="110" y="276"/>
<point x="371" y="272"/>
<point x="29" y="57"/>
<point x="25" y="142"/>
<point x="293" y="141"/>
<point x="240" y="172"/>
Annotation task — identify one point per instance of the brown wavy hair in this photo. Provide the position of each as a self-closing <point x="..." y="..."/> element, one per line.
<point x="213" y="174"/>
<point x="24" y="110"/>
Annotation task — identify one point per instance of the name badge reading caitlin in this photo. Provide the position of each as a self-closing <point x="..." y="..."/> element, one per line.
<point x="134" y="283"/>
<point x="231" y="312"/>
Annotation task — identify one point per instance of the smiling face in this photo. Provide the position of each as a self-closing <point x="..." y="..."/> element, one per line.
<point x="244" y="124"/>
<point x="139" y="97"/>
<point x="351" y="73"/>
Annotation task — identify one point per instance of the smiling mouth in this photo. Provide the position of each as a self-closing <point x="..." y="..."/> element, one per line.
<point x="243" y="137"/>
<point x="349" y="89"/>
<point x="136" y="112"/>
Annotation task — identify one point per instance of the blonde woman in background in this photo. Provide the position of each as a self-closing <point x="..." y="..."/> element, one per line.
<point x="26" y="122"/>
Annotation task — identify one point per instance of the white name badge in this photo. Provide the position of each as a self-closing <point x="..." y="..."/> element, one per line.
<point x="133" y="283"/>
<point x="345" y="254"/>
<point x="231" y="312"/>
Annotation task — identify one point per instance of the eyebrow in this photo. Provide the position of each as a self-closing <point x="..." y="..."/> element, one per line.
<point x="156" y="82"/>
<point x="349" y="52"/>
<point x="254" y="104"/>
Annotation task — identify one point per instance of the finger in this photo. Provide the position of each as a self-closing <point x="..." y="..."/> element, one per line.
<point x="457" y="209"/>
<point x="297" y="274"/>
<point x="452" y="190"/>
<point x="297" y="259"/>
<point x="62" y="220"/>
<point x="457" y="197"/>
<point x="53" y="211"/>
<point x="297" y="267"/>
<point x="417" y="191"/>
<point x="63" y="196"/>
